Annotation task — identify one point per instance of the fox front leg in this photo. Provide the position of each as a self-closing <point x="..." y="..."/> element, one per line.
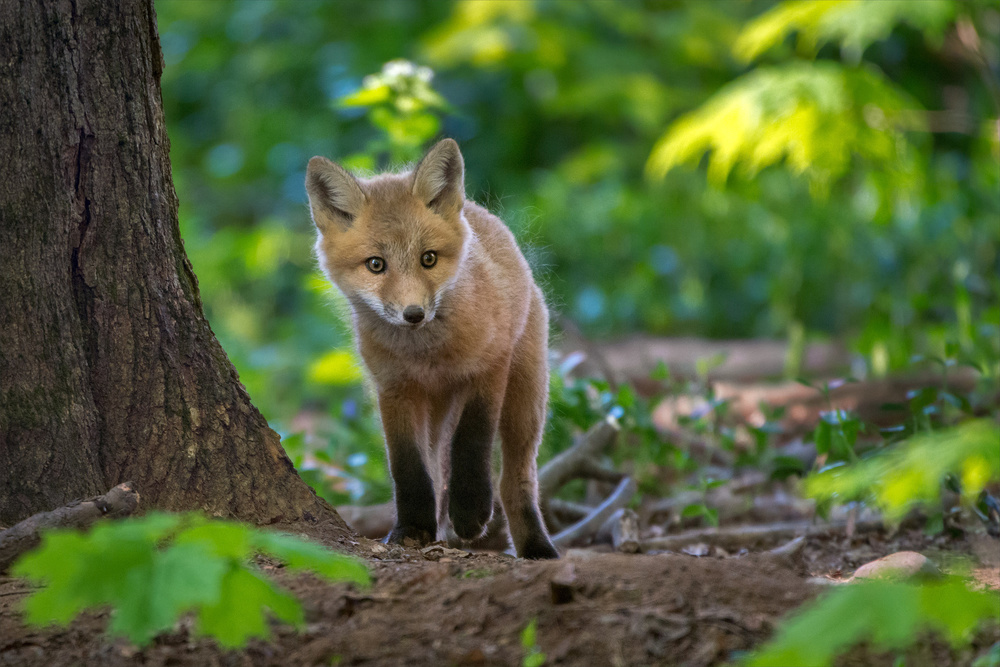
<point x="416" y="514"/>
<point x="470" y="488"/>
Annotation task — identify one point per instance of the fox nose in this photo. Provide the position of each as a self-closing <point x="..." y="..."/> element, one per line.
<point x="413" y="314"/>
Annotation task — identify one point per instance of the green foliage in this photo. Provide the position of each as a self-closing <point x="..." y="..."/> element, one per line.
<point x="533" y="656"/>
<point x="816" y="116"/>
<point x="885" y="614"/>
<point x="911" y="473"/>
<point x="989" y="659"/>
<point x="152" y="570"/>
<point x="401" y="103"/>
<point x="853" y="24"/>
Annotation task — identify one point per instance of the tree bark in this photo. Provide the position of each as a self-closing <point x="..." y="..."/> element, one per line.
<point x="108" y="369"/>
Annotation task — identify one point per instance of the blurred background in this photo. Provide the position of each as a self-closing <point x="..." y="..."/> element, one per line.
<point x="792" y="171"/>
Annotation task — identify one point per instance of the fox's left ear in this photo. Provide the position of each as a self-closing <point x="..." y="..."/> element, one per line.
<point x="439" y="179"/>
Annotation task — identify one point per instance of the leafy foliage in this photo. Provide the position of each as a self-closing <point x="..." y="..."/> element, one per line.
<point x="853" y="24"/>
<point x="886" y="614"/>
<point x="911" y="473"/>
<point x="817" y="116"/>
<point x="154" y="569"/>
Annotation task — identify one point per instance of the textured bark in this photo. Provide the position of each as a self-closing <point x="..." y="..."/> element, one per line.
<point x="108" y="369"/>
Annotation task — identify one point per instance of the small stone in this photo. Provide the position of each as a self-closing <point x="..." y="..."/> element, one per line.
<point x="696" y="550"/>
<point x="900" y="565"/>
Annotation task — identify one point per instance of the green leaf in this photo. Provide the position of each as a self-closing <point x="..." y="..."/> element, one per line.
<point x="303" y="555"/>
<point x="888" y="615"/>
<point x="854" y="24"/>
<point x="815" y="117"/>
<point x="152" y="570"/>
<point x="910" y="473"/>
<point x="240" y="612"/>
<point x="529" y="634"/>
<point x="365" y="97"/>
<point x="693" y="510"/>
<point x="226" y="539"/>
<point x="174" y="581"/>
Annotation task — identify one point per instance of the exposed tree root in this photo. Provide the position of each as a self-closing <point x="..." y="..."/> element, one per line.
<point x="120" y="501"/>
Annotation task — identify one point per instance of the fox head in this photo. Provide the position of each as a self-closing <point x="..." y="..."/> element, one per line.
<point x="393" y="243"/>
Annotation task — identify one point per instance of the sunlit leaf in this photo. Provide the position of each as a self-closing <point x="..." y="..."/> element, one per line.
<point x="910" y="473"/>
<point x="337" y="367"/>
<point x="815" y="117"/>
<point x="854" y="24"/>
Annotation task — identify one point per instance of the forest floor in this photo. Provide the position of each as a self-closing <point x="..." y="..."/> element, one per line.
<point x="441" y="606"/>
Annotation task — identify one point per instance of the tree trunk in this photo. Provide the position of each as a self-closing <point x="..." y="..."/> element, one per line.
<point x="108" y="369"/>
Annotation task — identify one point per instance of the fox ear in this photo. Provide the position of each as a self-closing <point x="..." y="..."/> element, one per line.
<point x="335" y="197"/>
<point x="439" y="179"/>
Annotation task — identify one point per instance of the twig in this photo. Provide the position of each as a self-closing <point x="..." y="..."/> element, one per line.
<point x="588" y="526"/>
<point x="120" y="501"/>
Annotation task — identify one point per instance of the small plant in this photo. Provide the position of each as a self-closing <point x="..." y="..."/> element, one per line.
<point x="152" y="570"/>
<point x="702" y="510"/>
<point x="533" y="656"/>
<point x="911" y="473"/>
<point x="885" y="614"/>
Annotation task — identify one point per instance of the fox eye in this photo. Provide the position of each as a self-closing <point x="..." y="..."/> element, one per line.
<point x="375" y="264"/>
<point x="429" y="259"/>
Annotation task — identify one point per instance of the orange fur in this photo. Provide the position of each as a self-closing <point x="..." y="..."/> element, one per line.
<point x="478" y="355"/>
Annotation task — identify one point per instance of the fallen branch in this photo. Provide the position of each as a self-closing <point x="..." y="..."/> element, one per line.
<point x="120" y="501"/>
<point x="622" y="531"/>
<point x="734" y="538"/>
<point x="580" y="460"/>
<point x="591" y="524"/>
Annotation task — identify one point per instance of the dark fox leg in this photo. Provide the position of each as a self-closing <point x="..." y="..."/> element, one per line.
<point x="414" y="491"/>
<point x="521" y="424"/>
<point x="470" y="488"/>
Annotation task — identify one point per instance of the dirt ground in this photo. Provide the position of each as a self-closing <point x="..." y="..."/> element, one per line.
<point x="447" y="607"/>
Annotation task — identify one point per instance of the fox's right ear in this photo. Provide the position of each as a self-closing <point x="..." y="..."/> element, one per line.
<point x="335" y="197"/>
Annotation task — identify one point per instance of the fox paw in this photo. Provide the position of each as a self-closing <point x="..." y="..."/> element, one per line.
<point x="470" y="520"/>
<point x="400" y="533"/>
<point x="538" y="547"/>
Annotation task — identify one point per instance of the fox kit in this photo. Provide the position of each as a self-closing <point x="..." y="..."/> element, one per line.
<point x="454" y="333"/>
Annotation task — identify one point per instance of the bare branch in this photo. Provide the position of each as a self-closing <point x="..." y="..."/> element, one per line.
<point x="590" y="525"/>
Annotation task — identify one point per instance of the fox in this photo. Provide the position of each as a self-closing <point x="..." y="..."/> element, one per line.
<point x="453" y="331"/>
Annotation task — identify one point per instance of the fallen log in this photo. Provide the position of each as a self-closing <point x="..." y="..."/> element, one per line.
<point x="371" y="521"/>
<point x="734" y="538"/>
<point x="120" y="501"/>
<point x="632" y="359"/>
